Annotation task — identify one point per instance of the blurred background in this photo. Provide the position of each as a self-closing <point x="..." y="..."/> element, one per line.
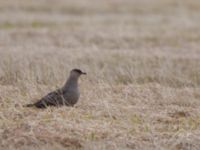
<point x="148" y="36"/>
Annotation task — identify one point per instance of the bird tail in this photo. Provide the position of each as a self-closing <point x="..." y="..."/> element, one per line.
<point x="29" y="105"/>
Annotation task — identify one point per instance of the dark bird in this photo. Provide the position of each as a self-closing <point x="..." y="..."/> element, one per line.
<point x="67" y="95"/>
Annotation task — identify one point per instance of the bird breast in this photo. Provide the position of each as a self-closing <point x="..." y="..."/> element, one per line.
<point x="71" y="96"/>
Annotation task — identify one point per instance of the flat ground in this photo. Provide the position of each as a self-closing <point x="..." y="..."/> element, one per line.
<point x="142" y="90"/>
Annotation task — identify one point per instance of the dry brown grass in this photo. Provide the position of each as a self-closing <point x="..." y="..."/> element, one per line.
<point x="143" y="63"/>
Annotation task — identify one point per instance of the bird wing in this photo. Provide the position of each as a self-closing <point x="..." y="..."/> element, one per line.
<point x="51" y="99"/>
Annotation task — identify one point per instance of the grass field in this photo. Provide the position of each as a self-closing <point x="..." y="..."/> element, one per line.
<point x="142" y="58"/>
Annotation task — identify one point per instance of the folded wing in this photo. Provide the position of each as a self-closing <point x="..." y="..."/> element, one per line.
<point x="52" y="99"/>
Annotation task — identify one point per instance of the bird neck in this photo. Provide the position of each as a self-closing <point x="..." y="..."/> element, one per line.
<point x="72" y="82"/>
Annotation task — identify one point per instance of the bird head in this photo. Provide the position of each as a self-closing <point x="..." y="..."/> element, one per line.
<point x="77" y="72"/>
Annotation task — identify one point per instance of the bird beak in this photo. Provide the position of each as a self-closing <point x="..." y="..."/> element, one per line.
<point x="84" y="73"/>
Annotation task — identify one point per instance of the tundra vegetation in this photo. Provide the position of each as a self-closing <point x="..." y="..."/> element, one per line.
<point x="142" y="58"/>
